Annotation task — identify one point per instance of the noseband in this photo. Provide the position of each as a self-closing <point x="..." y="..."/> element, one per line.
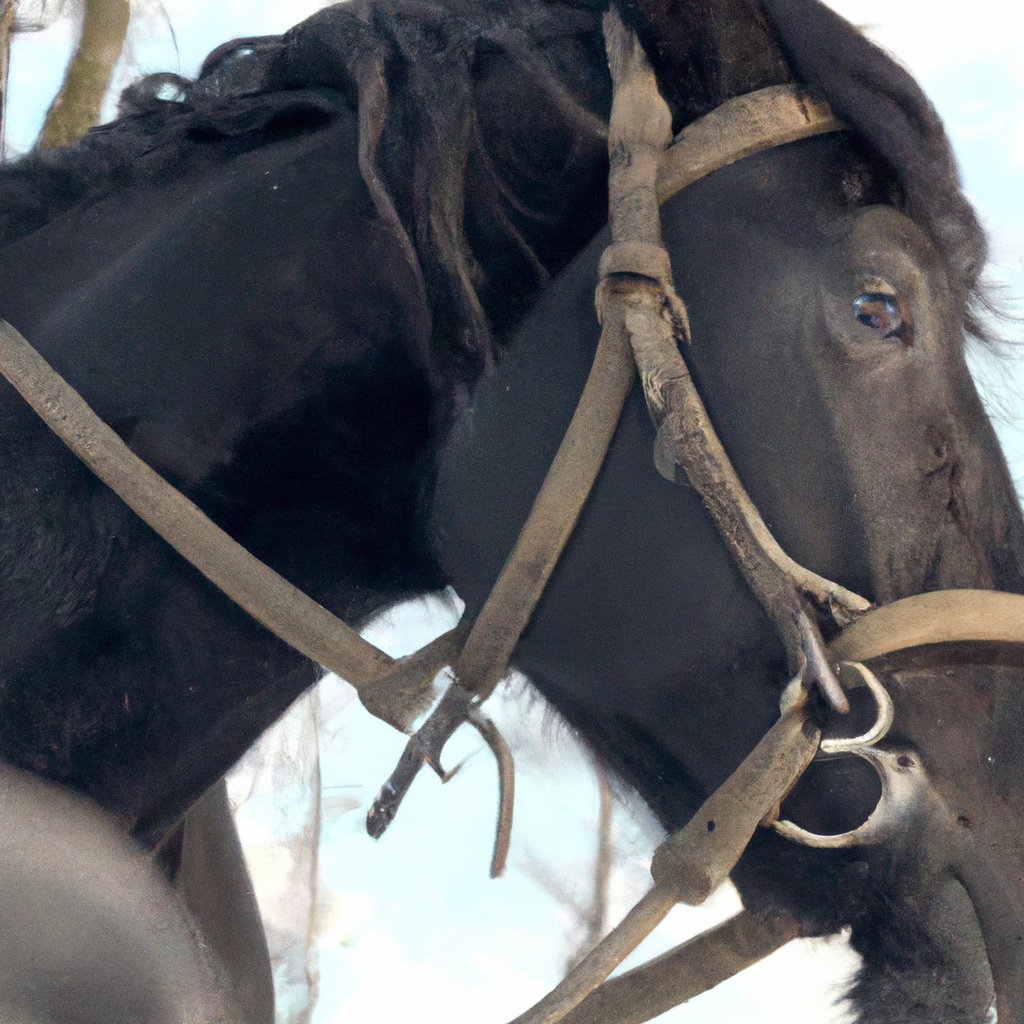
<point x="643" y="322"/>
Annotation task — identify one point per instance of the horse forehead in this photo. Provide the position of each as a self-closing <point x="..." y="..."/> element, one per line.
<point x="884" y="236"/>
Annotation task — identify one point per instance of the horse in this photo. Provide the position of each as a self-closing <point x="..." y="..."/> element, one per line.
<point x="671" y="712"/>
<point x="280" y="284"/>
<point x="125" y="947"/>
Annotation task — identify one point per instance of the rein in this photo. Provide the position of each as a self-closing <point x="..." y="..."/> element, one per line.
<point x="643" y="322"/>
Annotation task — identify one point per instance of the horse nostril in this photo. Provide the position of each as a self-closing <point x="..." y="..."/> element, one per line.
<point x="833" y="796"/>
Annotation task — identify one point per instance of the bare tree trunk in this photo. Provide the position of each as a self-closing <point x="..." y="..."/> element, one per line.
<point x="594" y="912"/>
<point x="603" y="861"/>
<point x="285" y="780"/>
<point x="6" y="22"/>
<point x="77" y="106"/>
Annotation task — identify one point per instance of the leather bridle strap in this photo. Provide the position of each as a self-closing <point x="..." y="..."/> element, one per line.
<point x="738" y="128"/>
<point x="940" y="617"/>
<point x="741" y="127"/>
<point x="274" y="602"/>
<point x="250" y="583"/>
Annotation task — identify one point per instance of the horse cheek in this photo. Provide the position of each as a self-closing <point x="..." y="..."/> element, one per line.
<point x="927" y="479"/>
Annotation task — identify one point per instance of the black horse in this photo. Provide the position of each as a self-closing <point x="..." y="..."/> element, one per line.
<point x="280" y="283"/>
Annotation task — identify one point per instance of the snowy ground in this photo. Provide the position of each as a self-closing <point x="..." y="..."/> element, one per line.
<point x="410" y="927"/>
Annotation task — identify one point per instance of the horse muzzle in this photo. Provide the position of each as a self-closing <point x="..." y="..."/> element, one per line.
<point x="942" y="867"/>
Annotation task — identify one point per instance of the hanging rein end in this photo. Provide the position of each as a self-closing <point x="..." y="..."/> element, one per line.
<point x="455" y="708"/>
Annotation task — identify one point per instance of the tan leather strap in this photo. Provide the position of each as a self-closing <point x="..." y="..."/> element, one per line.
<point x="653" y="319"/>
<point x="695" y="966"/>
<point x="739" y="128"/>
<point x="267" y="596"/>
<point x="555" y="512"/>
<point x="943" y="616"/>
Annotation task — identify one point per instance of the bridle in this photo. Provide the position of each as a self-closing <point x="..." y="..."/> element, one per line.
<point x="643" y="320"/>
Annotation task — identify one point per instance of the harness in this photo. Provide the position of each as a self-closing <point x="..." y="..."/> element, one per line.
<point x="643" y="321"/>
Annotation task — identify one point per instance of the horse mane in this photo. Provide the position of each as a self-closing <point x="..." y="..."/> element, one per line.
<point x="408" y="67"/>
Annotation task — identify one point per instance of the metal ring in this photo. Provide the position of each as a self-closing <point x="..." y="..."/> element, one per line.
<point x="895" y="770"/>
<point x="883" y="721"/>
<point x="903" y="783"/>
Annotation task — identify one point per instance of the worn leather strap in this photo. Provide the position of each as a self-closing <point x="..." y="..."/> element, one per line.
<point x="942" y="616"/>
<point x="266" y="595"/>
<point x="695" y="966"/>
<point x="636" y="258"/>
<point x="740" y="127"/>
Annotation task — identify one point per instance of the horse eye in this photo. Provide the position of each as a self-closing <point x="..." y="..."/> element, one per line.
<point x="881" y="313"/>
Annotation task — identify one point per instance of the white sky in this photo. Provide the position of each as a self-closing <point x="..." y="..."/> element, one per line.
<point x="410" y="926"/>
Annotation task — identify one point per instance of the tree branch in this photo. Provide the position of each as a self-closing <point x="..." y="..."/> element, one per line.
<point x="76" y="108"/>
<point x="6" y="26"/>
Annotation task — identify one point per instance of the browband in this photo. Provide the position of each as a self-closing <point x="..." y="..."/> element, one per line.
<point x="739" y="128"/>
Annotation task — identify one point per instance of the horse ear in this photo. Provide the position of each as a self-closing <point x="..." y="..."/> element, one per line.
<point x="880" y="100"/>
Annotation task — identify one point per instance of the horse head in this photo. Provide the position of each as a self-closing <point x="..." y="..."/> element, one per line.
<point x="827" y="306"/>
